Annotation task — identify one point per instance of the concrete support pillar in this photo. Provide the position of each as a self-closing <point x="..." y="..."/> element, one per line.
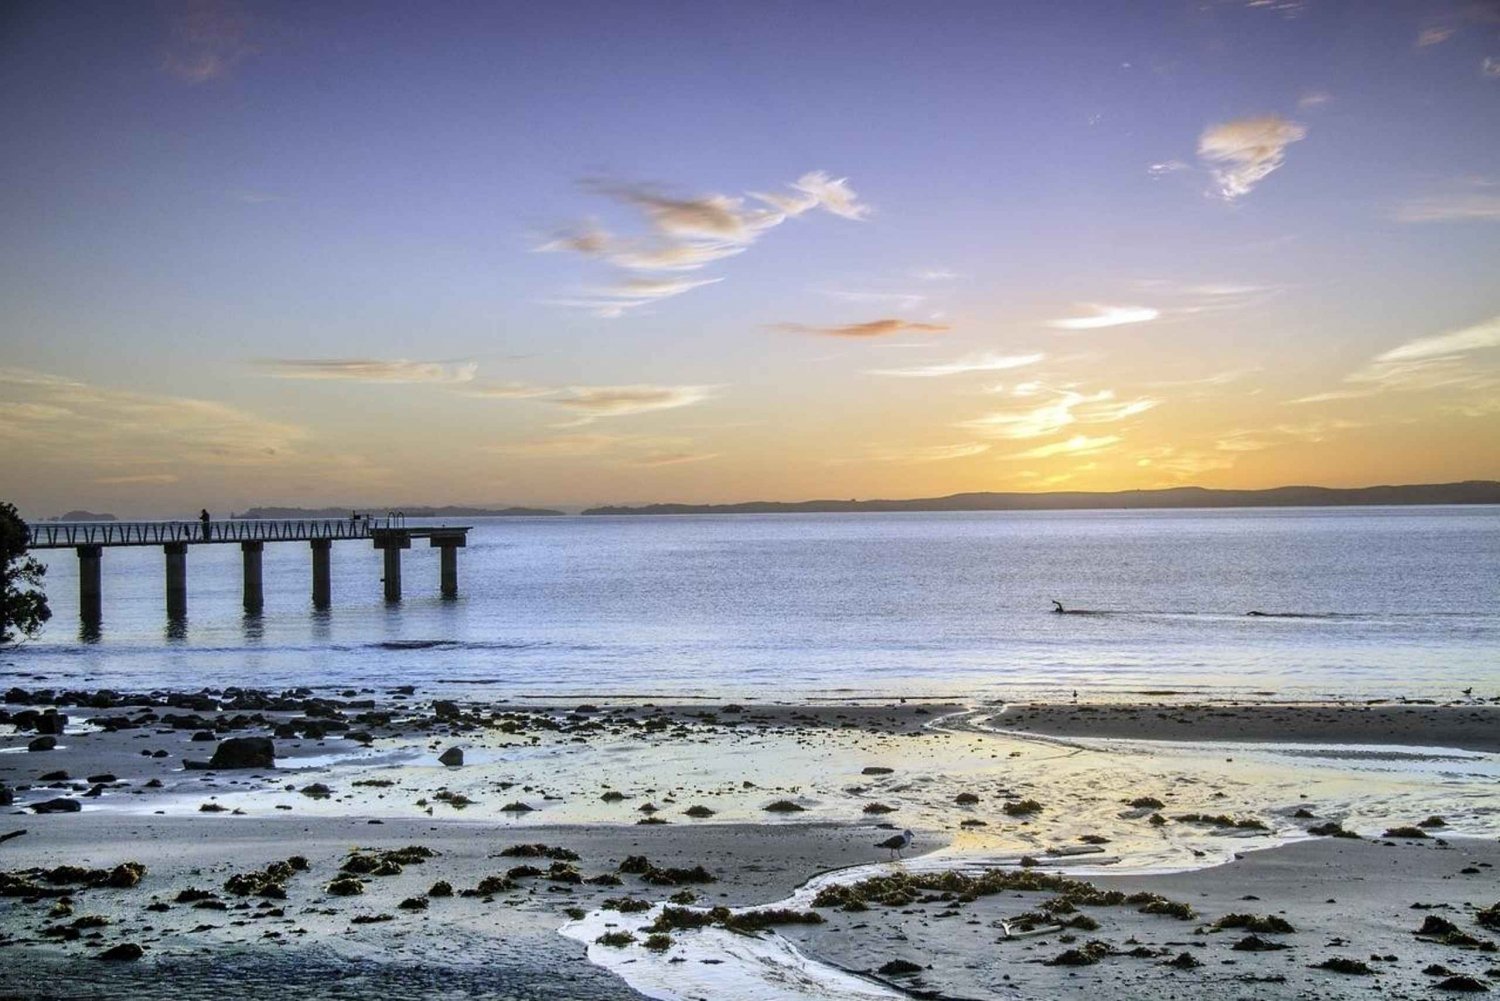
<point x="322" y="590"/>
<point x="176" y="579"/>
<point x="255" y="598"/>
<point x="393" y="573"/>
<point x="90" y="594"/>
<point x="391" y="543"/>
<point x="448" y="556"/>
<point x="448" y="545"/>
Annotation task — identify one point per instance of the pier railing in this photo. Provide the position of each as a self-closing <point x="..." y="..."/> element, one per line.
<point x="70" y="534"/>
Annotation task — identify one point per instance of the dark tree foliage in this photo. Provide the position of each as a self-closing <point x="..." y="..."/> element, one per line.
<point x="23" y="606"/>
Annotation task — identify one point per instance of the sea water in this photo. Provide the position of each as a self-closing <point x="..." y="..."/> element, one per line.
<point x="1360" y="602"/>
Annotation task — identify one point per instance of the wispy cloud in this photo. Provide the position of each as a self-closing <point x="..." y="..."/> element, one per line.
<point x="1106" y="316"/>
<point x="1313" y="99"/>
<point x="1433" y="35"/>
<point x="400" y="370"/>
<point x="481" y="389"/>
<point x="208" y="39"/>
<point x="686" y="233"/>
<point x="930" y="453"/>
<point x="628" y="450"/>
<point x="52" y="418"/>
<point x="1076" y="445"/>
<point x="962" y="366"/>
<point x="1066" y="408"/>
<point x="1477" y="200"/>
<point x="1243" y="152"/>
<point x="870" y="328"/>
<point x="595" y="402"/>
<point x="137" y="480"/>
<point x="1439" y="361"/>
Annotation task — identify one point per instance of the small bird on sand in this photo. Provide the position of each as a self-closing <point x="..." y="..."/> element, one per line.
<point x="1469" y="691"/>
<point x="898" y="842"/>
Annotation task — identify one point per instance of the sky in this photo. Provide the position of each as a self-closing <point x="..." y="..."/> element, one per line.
<point x="575" y="253"/>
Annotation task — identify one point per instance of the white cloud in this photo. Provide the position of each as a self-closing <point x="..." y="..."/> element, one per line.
<point x="688" y="233"/>
<point x="1490" y="68"/>
<point x="1106" y="316"/>
<point x="1076" y="445"/>
<point x="962" y="366"/>
<point x="1243" y="152"/>
<point x="1067" y="408"/>
<point x="400" y="370"/>
<point x="1313" y="99"/>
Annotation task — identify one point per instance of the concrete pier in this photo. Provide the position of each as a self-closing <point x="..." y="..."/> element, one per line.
<point x="322" y="589"/>
<point x="255" y="598"/>
<point x="176" y="553"/>
<point x="390" y="534"/>
<point x="90" y="593"/>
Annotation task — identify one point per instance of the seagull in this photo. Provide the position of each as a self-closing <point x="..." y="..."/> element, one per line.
<point x="898" y="842"/>
<point x="1469" y="691"/>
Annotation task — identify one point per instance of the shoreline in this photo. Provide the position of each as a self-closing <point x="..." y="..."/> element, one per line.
<point x="763" y="797"/>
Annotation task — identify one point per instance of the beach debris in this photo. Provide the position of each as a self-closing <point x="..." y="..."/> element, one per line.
<point x="1269" y="924"/>
<point x="1471" y="985"/>
<point x="1222" y="820"/>
<point x="783" y="806"/>
<point x="899" y="968"/>
<point x="1432" y="822"/>
<point x="539" y="851"/>
<point x="965" y="799"/>
<point x="452" y="757"/>
<point x="876" y="770"/>
<point x="1254" y="943"/>
<point x="1021" y="807"/>
<point x="626" y="905"/>
<point x="1146" y="803"/>
<point x="745" y="922"/>
<point x="269" y="882"/>
<point x="1445" y="932"/>
<point x="1089" y="954"/>
<point x="876" y="808"/>
<point x="413" y="904"/>
<point x="615" y="939"/>
<point x="1343" y="964"/>
<point x="125" y="952"/>
<point x="316" y="790"/>
<point x="1332" y="829"/>
<point x="639" y="865"/>
<point x="345" y="886"/>
<point x="517" y="807"/>
<point x="698" y="811"/>
<point x="1405" y="832"/>
<point x="612" y="796"/>
<point x="1184" y="961"/>
<point x="658" y="942"/>
<point x="1489" y="917"/>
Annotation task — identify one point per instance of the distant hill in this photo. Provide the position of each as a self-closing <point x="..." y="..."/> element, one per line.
<point x="83" y="516"/>
<point x="280" y="513"/>
<point x="1467" y="492"/>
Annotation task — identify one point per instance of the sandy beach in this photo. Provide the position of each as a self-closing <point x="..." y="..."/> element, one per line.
<point x="360" y="864"/>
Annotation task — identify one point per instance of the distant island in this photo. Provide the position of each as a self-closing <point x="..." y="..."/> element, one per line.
<point x="450" y="511"/>
<point x="1467" y="492"/>
<point x="82" y="516"/>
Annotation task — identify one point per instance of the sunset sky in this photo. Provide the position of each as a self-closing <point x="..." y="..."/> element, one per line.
<point x="575" y="253"/>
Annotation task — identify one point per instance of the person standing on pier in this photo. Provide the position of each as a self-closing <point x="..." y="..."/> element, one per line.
<point x="203" y="517"/>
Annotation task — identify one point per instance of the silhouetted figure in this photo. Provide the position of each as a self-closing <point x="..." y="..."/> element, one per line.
<point x="1057" y="607"/>
<point x="203" y="517"/>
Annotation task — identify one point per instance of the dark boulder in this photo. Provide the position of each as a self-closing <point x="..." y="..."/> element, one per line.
<point x="452" y="757"/>
<point x="42" y="744"/>
<point x="239" y="752"/>
<point x="60" y="805"/>
<point x="125" y="952"/>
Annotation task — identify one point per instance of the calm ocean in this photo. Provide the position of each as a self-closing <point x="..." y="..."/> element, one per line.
<point x="1368" y="602"/>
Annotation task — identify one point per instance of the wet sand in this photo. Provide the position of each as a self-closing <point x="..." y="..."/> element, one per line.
<point x="608" y="781"/>
<point x="1474" y="727"/>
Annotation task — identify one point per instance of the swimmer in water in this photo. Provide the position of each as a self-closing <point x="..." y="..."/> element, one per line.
<point x="1058" y="608"/>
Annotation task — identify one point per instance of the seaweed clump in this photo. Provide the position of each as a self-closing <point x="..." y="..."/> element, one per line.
<point x="902" y="889"/>
<point x="269" y="882"/>
<point x="639" y="865"/>
<point x="1268" y="924"/>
